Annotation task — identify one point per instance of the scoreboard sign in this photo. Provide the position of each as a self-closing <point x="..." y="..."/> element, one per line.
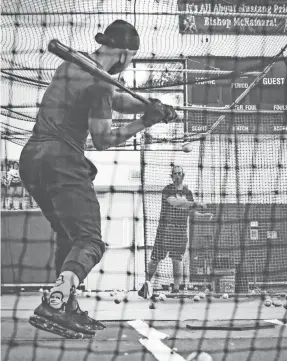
<point x="233" y="17"/>
<point x="270" y="94"/>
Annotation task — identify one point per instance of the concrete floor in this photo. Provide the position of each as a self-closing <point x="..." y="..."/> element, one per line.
<point x="120" y="341"/>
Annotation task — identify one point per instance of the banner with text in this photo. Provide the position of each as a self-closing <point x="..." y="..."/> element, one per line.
<point x="269" y="94"/>
<point x="233" y="17"/>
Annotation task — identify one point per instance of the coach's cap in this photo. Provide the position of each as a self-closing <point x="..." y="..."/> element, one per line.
<point x="119" y="34"/>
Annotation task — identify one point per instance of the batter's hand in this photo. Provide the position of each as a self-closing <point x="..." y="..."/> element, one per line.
<point x="155" y="112"/>
<point x="170" y="113"/>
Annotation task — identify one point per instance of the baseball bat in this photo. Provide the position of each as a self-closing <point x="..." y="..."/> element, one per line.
<point x="87" y="64"/>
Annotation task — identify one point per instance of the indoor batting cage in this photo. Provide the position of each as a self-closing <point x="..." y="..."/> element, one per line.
<point x="192" y="208"/>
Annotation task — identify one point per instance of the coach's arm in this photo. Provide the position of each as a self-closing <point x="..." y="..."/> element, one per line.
<point x="183" y="203"/>
<point x="200" y="215"/>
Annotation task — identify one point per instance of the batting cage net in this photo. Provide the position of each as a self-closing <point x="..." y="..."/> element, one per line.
<point x="221" y="264"/>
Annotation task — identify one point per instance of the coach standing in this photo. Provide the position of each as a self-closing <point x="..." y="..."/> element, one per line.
<point x="171" y="237"/>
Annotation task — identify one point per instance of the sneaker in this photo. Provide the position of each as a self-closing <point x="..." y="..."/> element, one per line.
<point x="73" y="307"/>
<point x="59" y="322"/>
<point x="174" y="290"/>
<point x="146" y="290"/>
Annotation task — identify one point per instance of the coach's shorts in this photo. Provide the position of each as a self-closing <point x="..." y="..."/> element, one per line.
<point x="170" y="240"/>
<point x="60" y="181"/>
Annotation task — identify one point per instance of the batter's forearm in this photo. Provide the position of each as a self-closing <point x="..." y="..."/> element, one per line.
<point x="125" y="103"/>
<point x="122" y="134"/>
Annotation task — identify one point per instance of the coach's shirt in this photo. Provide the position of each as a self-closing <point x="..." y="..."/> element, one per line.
<point x="64" y="110"/>
<point x="171" y="214"/>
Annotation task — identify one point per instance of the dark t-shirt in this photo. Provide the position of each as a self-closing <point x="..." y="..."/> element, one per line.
<point x="65" y="106"/>
<point x="170" y="214"/>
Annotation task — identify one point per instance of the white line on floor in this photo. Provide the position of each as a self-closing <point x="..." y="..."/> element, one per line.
<point x="145" y="330"/>
<point x="153" y="342"/>
<point x="276" y="322"/>
<point x="160" y="351"/>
